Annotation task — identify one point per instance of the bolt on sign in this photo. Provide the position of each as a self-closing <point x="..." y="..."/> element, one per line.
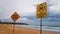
<point x="15" y="16"/>
<point x="41" y="10"/>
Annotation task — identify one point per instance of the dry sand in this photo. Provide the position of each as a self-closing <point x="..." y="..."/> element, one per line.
<point x="21" y="30"/>
<point x="8" y="29"/>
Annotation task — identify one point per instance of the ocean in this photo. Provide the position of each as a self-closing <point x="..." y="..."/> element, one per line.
<point x="48" y="28"/>
<point x="51" y="28"/>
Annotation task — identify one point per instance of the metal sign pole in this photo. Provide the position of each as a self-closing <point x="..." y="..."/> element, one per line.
<point x="40" y="25"/>
<point x="13" y="27"/>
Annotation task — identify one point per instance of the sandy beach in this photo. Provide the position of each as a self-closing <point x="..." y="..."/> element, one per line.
<point x="21" y="30"/>
<point x="50" y="32"/>
<point x="8" y="29"/>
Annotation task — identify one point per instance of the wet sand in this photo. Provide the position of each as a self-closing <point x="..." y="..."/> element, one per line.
<point x="50" y="32"/>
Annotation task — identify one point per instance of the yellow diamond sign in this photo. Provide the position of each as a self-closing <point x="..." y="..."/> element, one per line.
<point x="15" y="16"/>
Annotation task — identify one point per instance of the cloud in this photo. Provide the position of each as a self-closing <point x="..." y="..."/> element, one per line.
<point x="6" y="8"/>
<point x="55" y="6"/>
<point x="22" y="7"/>
<point x="28" y="8"/>
<point x="29" y="21"/>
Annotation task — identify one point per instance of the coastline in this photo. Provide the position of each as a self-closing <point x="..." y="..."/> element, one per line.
<point x="8" y="29"/>
<point x="22" y="30"/>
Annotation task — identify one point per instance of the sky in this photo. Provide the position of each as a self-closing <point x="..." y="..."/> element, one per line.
<point x="27" y="11"/>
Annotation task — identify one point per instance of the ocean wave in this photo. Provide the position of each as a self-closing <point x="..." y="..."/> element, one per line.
<point x="49" y="28"/>
<point x="30" y="26"/>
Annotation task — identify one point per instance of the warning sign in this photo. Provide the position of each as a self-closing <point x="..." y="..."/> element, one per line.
<point x="15" y="16"/>
<point x="41" y="10"/>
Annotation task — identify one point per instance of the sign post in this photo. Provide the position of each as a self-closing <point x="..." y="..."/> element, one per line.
<point x="41" y="13"/>
<point x="14" y="17"/>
